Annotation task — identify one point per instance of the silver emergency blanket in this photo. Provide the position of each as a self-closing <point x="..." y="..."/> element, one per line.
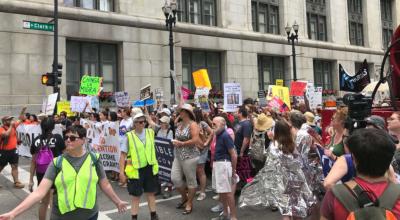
<point x="280" y="183"/>
<point x="310" y="160"/>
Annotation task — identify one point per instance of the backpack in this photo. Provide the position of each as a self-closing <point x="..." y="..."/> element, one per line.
<point x="258" y="146"/>
<point x="360" y="206"/>
<point x="59" y="159"/>
<point x="44" y="157"/>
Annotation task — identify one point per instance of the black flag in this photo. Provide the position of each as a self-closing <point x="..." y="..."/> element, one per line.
<point x="354" y="83"/>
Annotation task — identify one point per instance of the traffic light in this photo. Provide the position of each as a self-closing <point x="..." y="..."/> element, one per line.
<point x="48" y="79"/>
<point x="58" y="74"/>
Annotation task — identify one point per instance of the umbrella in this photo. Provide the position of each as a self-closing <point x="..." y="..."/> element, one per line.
<point x="383" y="88"/>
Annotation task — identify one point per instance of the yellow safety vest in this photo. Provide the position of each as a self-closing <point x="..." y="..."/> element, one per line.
<point x="76" y="190"/>
<point x="140" y="155"/>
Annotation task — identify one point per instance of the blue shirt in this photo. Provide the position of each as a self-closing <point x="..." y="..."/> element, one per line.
<point x="222" y="146"/>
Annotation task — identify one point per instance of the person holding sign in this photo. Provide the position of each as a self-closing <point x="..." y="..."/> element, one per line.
<point x="75" y="175"/>
<point x="141" y="166"/>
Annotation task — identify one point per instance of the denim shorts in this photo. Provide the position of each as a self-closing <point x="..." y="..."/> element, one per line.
<point x="203" y="157"/>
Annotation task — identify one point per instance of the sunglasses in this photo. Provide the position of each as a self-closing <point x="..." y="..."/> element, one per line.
<point x="71" y="138"/>
<point x="140" y="122"/>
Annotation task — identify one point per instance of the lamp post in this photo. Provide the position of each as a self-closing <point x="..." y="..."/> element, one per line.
<point x="292" y="35"/>
<point x="170" y="10"/>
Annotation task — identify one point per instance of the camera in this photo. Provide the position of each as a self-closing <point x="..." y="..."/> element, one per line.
<point x="360" y="107"/>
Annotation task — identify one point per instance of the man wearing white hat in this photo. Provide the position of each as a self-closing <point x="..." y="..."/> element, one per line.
<point x="141" y="165"/>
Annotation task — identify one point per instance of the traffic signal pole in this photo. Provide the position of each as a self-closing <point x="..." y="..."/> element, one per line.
<point x="56" y="89"/>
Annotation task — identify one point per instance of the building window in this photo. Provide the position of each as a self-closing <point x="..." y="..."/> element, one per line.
<point x="356" y="30"/>
<point x="93" y="59"/>
<point x="323" y="74"/>
<point x="193" y="60"/>
<point x="102" y="5"/>
<point x="269" y="70"/>
<point x="265" y="16"/>
<point x="197" y="12"/>
<point x="316" y="19"/>
<point x="387" y="22"/>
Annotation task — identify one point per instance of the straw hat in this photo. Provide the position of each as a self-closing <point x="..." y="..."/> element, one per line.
<point x="310" y="118"/>
<point x="188" y="108"/>
<point x="263" y="122"/>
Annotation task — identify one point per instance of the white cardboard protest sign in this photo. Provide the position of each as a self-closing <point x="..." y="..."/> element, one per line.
<point x="49" y="104"/>
<point x="27" y="133"/>
<point x="122" y="99"/>
<point x="232" y="96"/>
<point x="78" y="103"/>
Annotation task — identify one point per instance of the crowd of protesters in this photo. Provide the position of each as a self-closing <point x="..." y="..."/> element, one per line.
<point x="293" y="169"/>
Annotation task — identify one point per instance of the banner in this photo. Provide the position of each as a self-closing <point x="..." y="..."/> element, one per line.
<point x="201" y="80"/>
<point x="354" y="83"/>
<point x="165" y="157"/>
<point x="145" y="92"/>
<point x="280" y="92"/>
<point x="49" y="104"/>
<point x="108" y="146"/>
<point x="297" y="88"/>
<point x="26" y="134"/>
<point x="122" y="99"/>
<point x="232" y="96"/>
<point x="64" y="106"/>
<point x="90" y="85"/>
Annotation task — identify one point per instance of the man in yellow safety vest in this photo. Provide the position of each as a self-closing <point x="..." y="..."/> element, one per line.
<point x="141" y="165"/>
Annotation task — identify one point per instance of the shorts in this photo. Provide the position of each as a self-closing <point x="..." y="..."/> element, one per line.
<point x="8" y="157"/>
<point x="147" y="182"/>
<point x="184" y="172"/>
<point x="39" y="177"/>
<point x="222" y="176"/>
<point x="203" y="157"/>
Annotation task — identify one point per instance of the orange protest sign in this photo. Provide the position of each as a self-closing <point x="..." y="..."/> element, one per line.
<point x="201" y="80"/>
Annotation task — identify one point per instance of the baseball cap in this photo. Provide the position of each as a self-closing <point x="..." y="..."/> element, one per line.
<point x="165" y="119"/>
<point x="376" y="121"/>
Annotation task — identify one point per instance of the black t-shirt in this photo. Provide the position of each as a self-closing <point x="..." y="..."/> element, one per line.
<point x="242" y="130"/>
<point x="55" y="142"/>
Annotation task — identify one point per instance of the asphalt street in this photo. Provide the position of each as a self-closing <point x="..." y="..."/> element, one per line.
<point x="10" y="197"/>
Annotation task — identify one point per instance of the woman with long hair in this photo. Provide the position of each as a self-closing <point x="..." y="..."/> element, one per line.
<point x="281" y="180"/>
<point x="336" y="145"/>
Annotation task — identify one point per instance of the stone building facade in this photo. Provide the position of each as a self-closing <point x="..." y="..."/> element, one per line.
<point x="244" y="41"/>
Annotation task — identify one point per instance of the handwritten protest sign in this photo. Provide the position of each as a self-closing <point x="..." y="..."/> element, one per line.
<point x="27" y="133"/>
<point x="201" y="80"/>
<point x="64" y="106"/>
<point x="49" y="104"/>
<point x="297" y="88"/>
<point x="165" y="157"/>
<point x="232" y="96"/>
<point x="108" y="146"/>
<point x="78" y="103"/>
<point x="90" y="85"/>
<point x="145" y="92"/>
<point x="122" y="99"/>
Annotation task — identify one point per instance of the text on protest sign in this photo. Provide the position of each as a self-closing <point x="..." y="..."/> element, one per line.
<point x="64" y="106"/>
<point x="90" y="85"/>
<point x="108" y="145"/>
<point x="49" y="104"/>
<point x="232" y="96"/>
<point x="122" y="99"/>
<point x="165" y="157"/>
<point x="26" y="134"/>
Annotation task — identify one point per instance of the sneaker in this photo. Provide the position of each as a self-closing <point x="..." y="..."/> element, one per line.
<point x="216" y="197"/>
<point x="201" y="197"/>
<point x="218" y="208"/>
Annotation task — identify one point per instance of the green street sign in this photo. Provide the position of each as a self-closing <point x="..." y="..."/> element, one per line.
<point x="38" y="26"/>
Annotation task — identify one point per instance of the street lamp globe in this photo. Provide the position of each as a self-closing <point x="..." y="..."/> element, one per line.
<point x="288" y="29"/>
<point x="167" y="10"/>
<point x="296" y="27"/>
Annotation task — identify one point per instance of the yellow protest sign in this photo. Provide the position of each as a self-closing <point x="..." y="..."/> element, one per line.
<point x="280" y="92"/>
<point x="90" y="85"/>
<point x="64" y="106"/>
<point x="279" y="82"/>
<point x="201" y="80"/>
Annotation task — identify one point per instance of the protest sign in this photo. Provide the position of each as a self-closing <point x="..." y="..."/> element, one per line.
<point x="122" y="99"/>
<point x="317" y="98"/>
<point x="78" y="103"/>
<point x="145" y="92"/>
<point x="297" y="88"/>
<point x="261" y="98"/>
<point x="26" y="134"/>
<point x="159" y="93"/>
<point x="280" y="92"/>
<point x="64" y="106"/>
<point x="165" y="157"/>
<point x="232" y="96"/>
<point x="90" y="85"/>
<point x="279" y="82"/>
<point x="108" y="146"/>
<point x="201" y="80"/>
<point x="277" y="104"/>
<point x="185" y="93"/>
<point x="354" y="83"/>
<point x="203" y="102"/>
<point x="49" y="104"/>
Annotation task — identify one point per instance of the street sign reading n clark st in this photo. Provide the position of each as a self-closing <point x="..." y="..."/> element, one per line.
<point x="38" y="26"/>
